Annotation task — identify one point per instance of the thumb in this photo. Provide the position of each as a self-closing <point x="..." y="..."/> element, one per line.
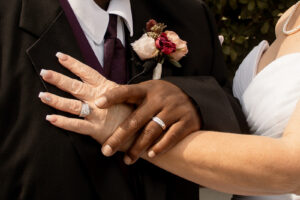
<point x="131" y="94"/>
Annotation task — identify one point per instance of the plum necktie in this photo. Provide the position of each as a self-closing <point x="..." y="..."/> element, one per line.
<point x="114" y="53"/>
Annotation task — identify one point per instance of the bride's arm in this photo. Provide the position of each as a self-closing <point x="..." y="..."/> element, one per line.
<point x="232" y="163"/>
<point x="239" y="164"/>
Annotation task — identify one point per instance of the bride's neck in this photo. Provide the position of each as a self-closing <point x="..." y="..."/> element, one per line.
<point x="102" y="3"/>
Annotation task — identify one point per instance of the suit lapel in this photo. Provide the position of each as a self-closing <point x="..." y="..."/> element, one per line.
<point x="54" y="34"/>
<point x="45" y="20"/>
<point x="54" y="39"/>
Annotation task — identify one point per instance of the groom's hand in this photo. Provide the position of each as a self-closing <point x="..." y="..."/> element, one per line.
<point x="154" y="98"/>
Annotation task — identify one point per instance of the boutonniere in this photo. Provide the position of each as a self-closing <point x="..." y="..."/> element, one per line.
<point x="160" y="45"/>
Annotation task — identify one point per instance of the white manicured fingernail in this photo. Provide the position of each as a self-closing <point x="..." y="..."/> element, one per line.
<point x="41" y="94"/>
<point x="44" y="97"/>
<point x="107" y="150"/>
<point x="61" y="56"/>
<point x="51" y="118"/>
<point x="43" y="72"/>
<point x="127" y="160"/>
<point x="101" y="101"/>
<point x="151" y="154"/>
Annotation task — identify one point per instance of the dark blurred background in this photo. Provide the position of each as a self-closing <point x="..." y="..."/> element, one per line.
<point x="244" y="23"/>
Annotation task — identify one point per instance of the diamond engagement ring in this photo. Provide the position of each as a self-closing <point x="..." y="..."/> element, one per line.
<point x="85" y="110"/>
<point x="160" y="122"/>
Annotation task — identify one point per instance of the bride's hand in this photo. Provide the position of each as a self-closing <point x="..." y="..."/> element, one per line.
<point x="100" y="123"/>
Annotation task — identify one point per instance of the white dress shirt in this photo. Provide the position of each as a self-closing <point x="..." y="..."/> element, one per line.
<point x="94" y="21"/>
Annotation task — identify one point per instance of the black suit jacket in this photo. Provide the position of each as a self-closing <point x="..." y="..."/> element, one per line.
<point x="40" y="161"/>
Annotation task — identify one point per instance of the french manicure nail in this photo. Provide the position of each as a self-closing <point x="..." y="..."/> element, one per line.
<point x="151" y="154"/>
<point x="107" y="150"/>
<point x="101" y="101"/>
<point x="51" y="118"/>
<point x="61" y="56"/>
<point x="41" y="94"/>
<point x="43" y="72"/>
<point x="44" y="97"/>
<point x="127" y="160"/>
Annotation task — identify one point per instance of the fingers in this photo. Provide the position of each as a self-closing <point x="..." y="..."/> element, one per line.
<point x="128" y="128"/>
<point x="174" y="135"/>
<point x="77" y="88"/>
<point x="84" y="72"/>
<point x="67" y="105"/>
<point x="151" y="133"/>
<point x="122" y="94"/>
<point x="70" y="124"/>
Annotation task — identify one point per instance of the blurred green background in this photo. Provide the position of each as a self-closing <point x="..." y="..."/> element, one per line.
<point x="244" y="23"/>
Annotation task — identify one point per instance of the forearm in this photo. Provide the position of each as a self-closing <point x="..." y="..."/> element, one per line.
<point x="247" y="165"/>
<point x="218" y="110"/>
<point x="233" y="163"/>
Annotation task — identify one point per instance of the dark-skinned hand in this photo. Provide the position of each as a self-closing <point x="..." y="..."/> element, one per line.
<point x="152" y="98"/>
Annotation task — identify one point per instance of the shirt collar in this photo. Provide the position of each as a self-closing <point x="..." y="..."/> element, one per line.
<point x="94" y="20"/>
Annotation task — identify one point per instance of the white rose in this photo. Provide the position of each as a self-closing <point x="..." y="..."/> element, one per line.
<point x="145" y="47"/>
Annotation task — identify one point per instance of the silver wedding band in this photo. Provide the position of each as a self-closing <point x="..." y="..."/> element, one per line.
<point x="160" y="122"/>
<point x="85" y="110"/>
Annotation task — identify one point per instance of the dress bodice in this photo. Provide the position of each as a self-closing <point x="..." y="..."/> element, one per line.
<point x="247" y="70"/>
<point x="269" y="98"/>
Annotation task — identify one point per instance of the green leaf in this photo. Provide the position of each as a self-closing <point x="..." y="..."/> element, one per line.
<point x="175" y="63"/>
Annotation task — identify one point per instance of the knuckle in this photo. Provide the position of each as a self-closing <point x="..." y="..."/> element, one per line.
<point x="157" y="100"/>
<point x="55" y="102"/>
<point x="148" y="132"/>
<point x="114" y="142"/>
<point x="73" y="64"/>
<point x="91" y="74"/>
<point x="77" y="87"/>
<point x="76" y="124"/>
<point x="85" y="73"/>
<point x="75" y="106"/>
<point x="133" y="123"/>
<point x="57" y="79"/>
<point x="143" y="143"/>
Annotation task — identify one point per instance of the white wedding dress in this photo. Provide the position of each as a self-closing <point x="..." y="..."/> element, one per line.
<point x="269" y="98"/>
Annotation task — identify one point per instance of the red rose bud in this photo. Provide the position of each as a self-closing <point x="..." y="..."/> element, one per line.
<point x="150" y="24"/>
<point x="165" y="45"/>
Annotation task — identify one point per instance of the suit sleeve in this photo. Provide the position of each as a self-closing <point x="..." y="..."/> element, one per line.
<point x="212" y="95"/>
